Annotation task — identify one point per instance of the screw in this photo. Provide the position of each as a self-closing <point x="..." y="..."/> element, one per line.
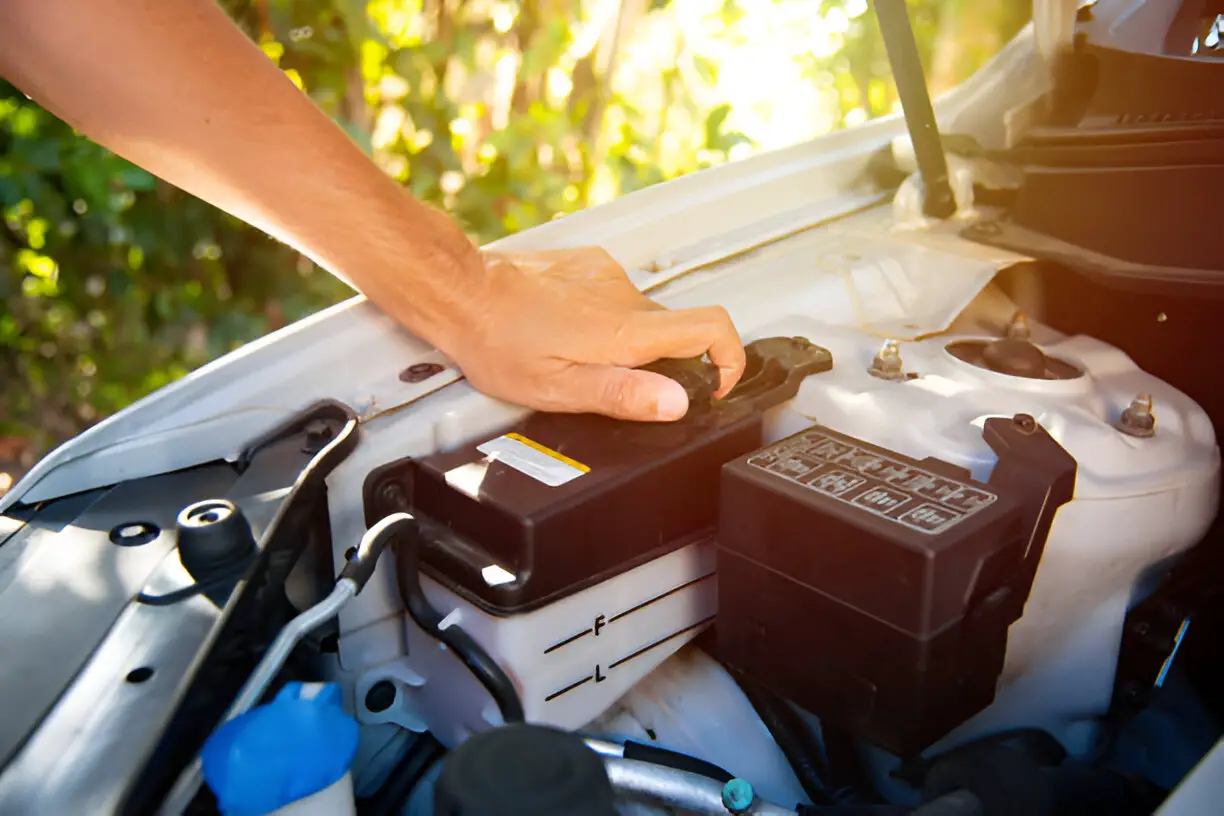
<point x="392" y="497"/>
<point x="318" y="433"/>
<point x="737" y="795"/>
<point x="887" y="363"/>
<point x="988" y="228"/>
<point x="318" y="430"/>
<point x="1138" y="420"/>
<point x="420" y="372"/>
<point x="1025" y="423"/>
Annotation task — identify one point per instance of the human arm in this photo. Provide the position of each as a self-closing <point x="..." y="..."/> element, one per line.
<point x="175" y="87"/>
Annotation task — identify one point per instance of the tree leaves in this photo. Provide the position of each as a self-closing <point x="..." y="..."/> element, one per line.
<point x="113" y="283"/>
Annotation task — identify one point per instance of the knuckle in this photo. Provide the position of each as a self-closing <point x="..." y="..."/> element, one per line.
<point x="720" y="317"/>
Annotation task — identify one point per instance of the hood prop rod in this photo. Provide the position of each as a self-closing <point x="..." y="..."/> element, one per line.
<point x="903" y="59"/>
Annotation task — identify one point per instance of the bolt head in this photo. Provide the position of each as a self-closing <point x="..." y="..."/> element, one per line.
<point x="1019" y="328"/>
<point x="1138" y="420"/>
<point x="420" y="372"/>
<point x="737" y="795"/>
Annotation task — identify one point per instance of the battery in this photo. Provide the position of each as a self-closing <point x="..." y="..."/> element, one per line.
<point x="560" y="502"/>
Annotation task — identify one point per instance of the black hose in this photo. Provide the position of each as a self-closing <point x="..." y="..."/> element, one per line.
<point x="794" y="738"/>
<point x="390" y="797"/>
<point x="407" y="546"/>
<point x="846" y="769"/>
<point x="677" y="760"/>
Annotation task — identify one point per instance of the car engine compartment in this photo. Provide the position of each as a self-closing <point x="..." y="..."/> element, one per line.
<point x="938" y="552"/>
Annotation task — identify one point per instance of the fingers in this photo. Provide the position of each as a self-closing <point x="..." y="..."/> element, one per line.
<point x="653" y="335"/>
<point x="621" y="393"/>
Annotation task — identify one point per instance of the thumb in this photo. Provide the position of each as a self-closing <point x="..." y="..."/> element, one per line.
<point x="623" y="393"/>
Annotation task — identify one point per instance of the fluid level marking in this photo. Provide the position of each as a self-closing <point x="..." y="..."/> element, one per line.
<point x="567" y="641"/>
<point x="569" y="688"/>
<point x="600" y="674"/>
<point x="660" y="597"/>
<point x="602" y="621"/>
<point x="659" y="642"/>
<point x="873" y="482"/>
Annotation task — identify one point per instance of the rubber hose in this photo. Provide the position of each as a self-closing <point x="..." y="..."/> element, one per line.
<point x="793" y="738"/>
<point x="675" y="759"/>
<point x="408" y="566"/>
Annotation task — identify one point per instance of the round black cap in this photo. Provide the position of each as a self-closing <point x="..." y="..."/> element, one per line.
<point x="212" y="535"/>
<point x="1019" y="358"/>
<point x="521" y="769"/>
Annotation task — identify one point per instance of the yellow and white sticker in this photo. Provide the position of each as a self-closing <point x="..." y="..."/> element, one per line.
<point x="533" y="459"/>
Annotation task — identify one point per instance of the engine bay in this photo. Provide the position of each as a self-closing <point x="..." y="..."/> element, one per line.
<point x="938" y="552"/>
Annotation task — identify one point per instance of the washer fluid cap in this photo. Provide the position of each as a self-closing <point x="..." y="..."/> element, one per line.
<point x="281" y="752"/>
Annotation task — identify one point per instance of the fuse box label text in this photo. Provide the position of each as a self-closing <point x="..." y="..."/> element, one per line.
<point x="874" y="482"/>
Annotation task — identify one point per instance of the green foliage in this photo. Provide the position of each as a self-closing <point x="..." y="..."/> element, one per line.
<point x="113" y="283"/>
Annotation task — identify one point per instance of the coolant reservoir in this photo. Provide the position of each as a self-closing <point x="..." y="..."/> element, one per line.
<point x="575" y="549"/>
<point x="1146" y="486"/>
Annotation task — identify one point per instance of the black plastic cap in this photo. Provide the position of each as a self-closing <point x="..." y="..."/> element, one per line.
<point x="213" y="535"/>
<point x="523" y="770"/>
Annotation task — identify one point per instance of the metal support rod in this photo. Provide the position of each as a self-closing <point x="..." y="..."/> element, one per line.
<point x="899" y="42"/>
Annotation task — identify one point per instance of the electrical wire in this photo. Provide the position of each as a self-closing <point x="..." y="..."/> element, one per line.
<point x="793" y="738"/>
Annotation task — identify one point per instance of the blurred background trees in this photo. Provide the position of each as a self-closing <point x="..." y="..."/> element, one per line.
<point x="506" y="112"/>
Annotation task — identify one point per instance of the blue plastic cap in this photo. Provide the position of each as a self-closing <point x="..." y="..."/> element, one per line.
<point x="291" y="748"/>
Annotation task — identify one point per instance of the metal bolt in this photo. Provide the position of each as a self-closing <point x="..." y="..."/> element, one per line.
<point x="318" y="433"/>
<point x="392" y="497"/>
<point x="1025" y="423"/>
<point x="1019" y="328"/>
<point x="737" y="795"/>
<point x="420" y="372"/>
<point x="1138" y="420"/>
<point x="887" y="363"/>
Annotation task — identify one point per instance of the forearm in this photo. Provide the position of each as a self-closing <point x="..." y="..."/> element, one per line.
<point x="174" y="86"/>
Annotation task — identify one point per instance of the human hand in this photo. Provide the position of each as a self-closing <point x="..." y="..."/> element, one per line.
<point x="563" y="330"/>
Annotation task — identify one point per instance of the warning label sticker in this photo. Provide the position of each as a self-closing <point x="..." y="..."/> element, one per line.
<point x="533" y="459"/>
<point x="873" y="481"/>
